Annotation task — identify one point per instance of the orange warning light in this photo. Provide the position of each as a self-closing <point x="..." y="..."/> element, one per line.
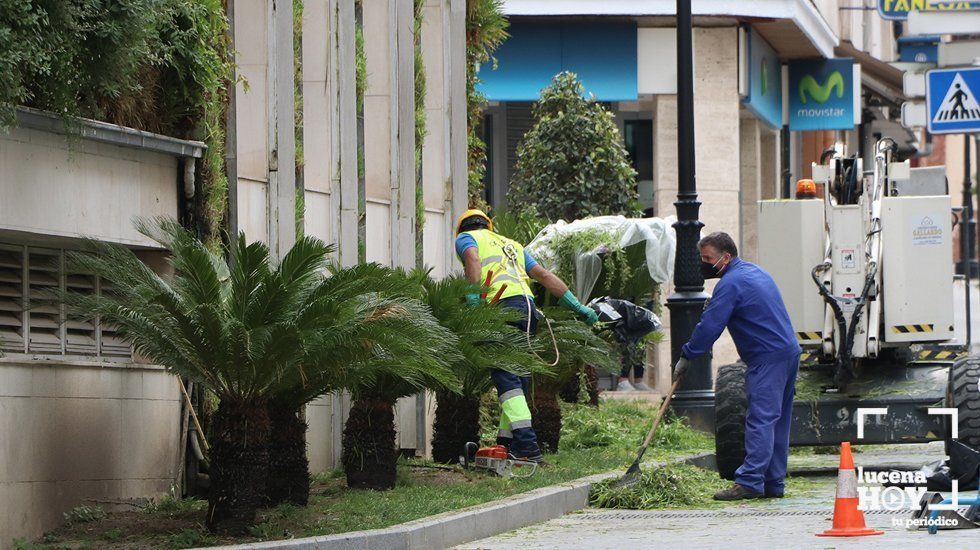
<point x="806" y="189"/>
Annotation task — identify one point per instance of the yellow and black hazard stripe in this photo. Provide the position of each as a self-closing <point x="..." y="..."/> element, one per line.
<point x="808" y="336"/>
<point x="907" y="329"/>
<point x="939" y="355"/>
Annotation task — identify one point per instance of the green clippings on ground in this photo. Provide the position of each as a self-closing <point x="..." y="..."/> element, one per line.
<point x="624" y="424"/>
<point x="670" y="486"/>
<point x="614" y="432"/>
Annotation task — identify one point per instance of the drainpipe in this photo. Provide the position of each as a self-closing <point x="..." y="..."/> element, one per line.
<point x="189" y="188"/>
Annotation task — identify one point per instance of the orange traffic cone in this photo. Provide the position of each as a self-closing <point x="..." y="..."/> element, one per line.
<point x="848" y="520"/>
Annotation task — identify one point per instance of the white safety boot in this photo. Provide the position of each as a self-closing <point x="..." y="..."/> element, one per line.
<point x="640" y="386"/>
<point x="624" y="385"/>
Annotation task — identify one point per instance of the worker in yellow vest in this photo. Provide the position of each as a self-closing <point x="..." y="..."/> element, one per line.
<point x="505" y="266"/>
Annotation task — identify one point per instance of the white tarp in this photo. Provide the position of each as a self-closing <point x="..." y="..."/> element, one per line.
<point x="658" y="233"/>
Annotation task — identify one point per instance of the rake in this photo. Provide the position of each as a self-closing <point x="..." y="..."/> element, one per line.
<point x="632" y="475"/>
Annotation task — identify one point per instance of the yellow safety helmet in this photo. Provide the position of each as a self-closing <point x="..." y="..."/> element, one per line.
<point x="469" y="214"/>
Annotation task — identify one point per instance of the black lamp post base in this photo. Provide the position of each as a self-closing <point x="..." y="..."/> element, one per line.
<point x="695" y="397"/>
<point x="698" y="407"/>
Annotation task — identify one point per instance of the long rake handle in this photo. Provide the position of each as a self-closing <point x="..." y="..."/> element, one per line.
<point x="660" y="415"/>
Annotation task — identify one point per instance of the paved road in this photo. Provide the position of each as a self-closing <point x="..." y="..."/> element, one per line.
<point x="788" y="523"/>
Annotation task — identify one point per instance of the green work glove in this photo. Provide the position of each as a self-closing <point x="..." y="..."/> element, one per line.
<point x="570" y="302"/>
<point x="473" y="299"/>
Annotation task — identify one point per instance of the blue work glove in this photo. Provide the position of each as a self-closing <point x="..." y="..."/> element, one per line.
<point x="570" y="302"/>
<point x="473" y="299"/>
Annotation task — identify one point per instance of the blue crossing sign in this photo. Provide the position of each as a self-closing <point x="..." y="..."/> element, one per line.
<point x="951" y="100"/>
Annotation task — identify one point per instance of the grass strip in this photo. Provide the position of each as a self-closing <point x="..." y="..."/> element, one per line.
<point x="594" y="440"/>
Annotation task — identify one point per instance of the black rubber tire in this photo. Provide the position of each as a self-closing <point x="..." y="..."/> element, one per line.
<point x="730" y="406"/>
<point x="963" y="394"/>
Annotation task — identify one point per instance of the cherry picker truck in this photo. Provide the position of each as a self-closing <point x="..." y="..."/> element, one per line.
<point x="866" y="272"/>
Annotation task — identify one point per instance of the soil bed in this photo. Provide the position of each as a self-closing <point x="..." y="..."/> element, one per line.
<point x="604" y="439"/>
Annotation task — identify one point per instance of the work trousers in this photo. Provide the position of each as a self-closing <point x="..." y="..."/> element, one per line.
<point x="769" y="387"/>
<point x="515" y="429"/>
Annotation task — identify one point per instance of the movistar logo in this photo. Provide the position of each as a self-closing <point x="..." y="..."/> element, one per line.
<point x="821" y="93"/>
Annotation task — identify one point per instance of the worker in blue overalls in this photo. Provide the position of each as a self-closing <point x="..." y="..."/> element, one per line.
<point x="747" y="301"/>
<point x="505" y="268"/>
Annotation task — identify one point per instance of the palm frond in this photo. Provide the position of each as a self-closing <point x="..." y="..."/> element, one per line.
<point x="486" y="341"/>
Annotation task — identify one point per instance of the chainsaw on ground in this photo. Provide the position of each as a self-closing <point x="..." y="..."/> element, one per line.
<point x="497" y="460"/>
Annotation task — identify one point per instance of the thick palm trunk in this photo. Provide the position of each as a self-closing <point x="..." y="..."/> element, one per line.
<point x="546" y="417"/>
<point x="289" y="467"/>
<point x="570" y="392"/>
<point x="239" y="463"/>
<point x="370" y="455"/>
<point x="457" y="421"/>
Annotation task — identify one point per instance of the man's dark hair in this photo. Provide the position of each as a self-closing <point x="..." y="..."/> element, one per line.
<point x="722" y="242"/>
<point x="473" y="223"/>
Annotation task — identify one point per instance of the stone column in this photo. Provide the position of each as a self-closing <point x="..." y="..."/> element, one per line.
<point x="769" y="156"/>
<point x="281" y="197"/>
<point x="402" y="108"/>
<point x="248" y="139"/>
<point x="716" y="119"/>
<point x="750" y="174"/>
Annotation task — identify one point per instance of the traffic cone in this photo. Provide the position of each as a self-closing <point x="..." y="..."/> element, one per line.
<point x="848" y="520"/>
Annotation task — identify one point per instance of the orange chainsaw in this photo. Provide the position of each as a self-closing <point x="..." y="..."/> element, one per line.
<point x="497" y="460"/>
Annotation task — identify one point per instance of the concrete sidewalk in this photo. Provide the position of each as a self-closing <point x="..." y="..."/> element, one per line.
<point x="787" y="523"/>
<point x="752" y="527"/>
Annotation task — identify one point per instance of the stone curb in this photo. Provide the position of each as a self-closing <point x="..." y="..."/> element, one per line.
<point x="476" y="522"/>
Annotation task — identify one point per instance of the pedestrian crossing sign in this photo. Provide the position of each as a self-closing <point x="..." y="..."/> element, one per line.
<point x="952" y="102"/>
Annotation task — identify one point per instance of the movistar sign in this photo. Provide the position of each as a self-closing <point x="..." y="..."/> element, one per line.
<point x="765" y="97"/>
<point x="822" y="94"/>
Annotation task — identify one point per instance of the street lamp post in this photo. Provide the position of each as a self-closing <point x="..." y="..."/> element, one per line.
<point x="695" y="396"/>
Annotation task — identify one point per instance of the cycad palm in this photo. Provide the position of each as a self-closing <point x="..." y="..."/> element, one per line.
<point x="485" y="342"/>
<point x="368" y="315"/>
<point x="415" y="357"/>
<point x="251" y="332"/>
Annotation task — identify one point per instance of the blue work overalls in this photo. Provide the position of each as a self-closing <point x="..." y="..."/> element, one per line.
<point x="747" y="301"/>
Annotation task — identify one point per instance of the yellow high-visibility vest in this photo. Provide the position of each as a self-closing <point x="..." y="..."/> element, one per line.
<point x="505" y="257"/>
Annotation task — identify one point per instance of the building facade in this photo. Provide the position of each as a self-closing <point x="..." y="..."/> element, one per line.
<point x="624" y="51"/>
<point x="83" y="420"/>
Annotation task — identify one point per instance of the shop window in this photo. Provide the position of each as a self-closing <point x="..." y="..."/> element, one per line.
<point x="639" y="144"/>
